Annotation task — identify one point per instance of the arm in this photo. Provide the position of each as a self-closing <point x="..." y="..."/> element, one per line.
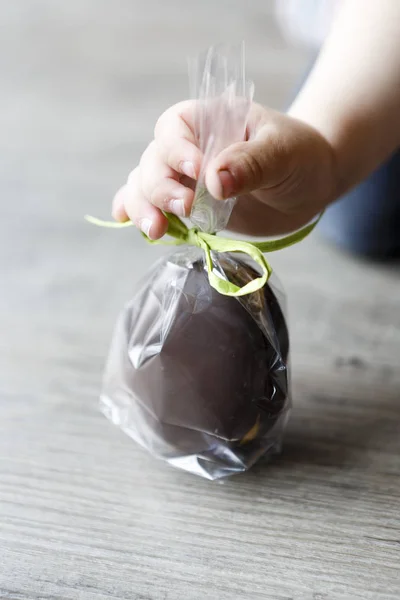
<point x="352" y="96"/>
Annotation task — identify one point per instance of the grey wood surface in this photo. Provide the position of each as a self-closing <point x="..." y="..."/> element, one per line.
<point x="84" y="513"/>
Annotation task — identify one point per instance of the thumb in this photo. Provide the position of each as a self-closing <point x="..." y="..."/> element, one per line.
<point x="245" y="167"/>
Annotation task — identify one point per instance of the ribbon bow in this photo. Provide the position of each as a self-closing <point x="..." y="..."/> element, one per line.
<point x="209" y="243"/>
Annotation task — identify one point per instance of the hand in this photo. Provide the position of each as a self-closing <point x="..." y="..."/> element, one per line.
<point x="283" y="174"/>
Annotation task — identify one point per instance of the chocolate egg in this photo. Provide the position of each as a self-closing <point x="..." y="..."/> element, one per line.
<point x="198" y="378"/>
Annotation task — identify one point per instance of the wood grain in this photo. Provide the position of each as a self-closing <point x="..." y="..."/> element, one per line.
<point x="84" y="513"/>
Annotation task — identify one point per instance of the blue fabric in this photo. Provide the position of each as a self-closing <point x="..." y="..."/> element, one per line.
<point x="366" y="221"/>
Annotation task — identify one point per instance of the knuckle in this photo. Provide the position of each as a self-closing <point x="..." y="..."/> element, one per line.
<point x="159" y="125"/>
<point x="169" y="120"/>
<point x="172" y="159"/>
<point x="160" y="197"/>
<point x="149" y="153"/>
<point x="164" y="119"/>
<point x="249" y="167"/>
<point x="133" y="177"/>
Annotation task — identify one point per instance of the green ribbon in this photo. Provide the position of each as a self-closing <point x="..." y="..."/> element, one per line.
<point x="182" y="235"/>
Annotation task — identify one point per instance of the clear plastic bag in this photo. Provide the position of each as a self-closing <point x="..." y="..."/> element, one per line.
<point x="223" y="97"/>
<point x="198" y="378"/>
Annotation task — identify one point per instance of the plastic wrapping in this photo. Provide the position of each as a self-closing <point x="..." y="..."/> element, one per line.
<point x="198" y="378"/>
<point x="223" y="99"/>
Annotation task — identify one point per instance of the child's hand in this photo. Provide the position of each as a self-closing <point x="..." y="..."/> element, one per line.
<point x="283" y="175"/>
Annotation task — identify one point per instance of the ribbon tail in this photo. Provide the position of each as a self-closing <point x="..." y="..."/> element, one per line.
<point x="176" y="229"/>
<point x="289" y="240"/>
<point x="108" y="224"/>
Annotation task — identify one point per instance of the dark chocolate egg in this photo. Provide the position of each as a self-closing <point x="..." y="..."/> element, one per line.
<point x="200" y="374"/>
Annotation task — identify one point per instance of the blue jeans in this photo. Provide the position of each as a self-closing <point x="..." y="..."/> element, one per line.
<point x="366" y="221"/>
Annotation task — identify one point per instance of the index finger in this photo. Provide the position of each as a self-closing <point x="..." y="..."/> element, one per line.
<point x="176" y="140"/>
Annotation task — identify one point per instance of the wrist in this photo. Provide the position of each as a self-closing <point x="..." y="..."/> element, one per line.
<point x="319" y="157"/>
<point x="342" y="142"/>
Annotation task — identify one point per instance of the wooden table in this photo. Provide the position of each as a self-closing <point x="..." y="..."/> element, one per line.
<point x="84" y="513"/>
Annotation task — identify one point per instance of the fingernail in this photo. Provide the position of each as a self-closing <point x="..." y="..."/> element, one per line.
<point x="145" y="226"/>
<point x="187" y="168"/>
<point x="227" y="182"/>
<point x="177" y="207"/>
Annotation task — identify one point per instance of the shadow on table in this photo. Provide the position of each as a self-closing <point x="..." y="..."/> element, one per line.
<point x="338" y="434"/>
